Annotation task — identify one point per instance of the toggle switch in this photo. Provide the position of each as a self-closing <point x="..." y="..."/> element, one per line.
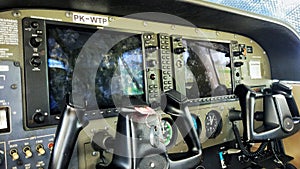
<point x="27" y="152"/>
<point x="40" y="149"/>
<point x="14" y="154"/>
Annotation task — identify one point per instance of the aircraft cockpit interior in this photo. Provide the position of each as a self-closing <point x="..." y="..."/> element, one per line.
<point x="97" y="84"/>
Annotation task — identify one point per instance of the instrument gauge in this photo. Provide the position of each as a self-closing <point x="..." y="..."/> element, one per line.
<point x="169" y="131"/>
<point x="213" y="124"/>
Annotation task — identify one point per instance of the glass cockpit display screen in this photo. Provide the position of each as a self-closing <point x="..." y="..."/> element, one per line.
<point x="119" y="71"/>
<point x="208" y="70"/>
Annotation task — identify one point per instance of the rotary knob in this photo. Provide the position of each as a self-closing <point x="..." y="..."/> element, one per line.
<point x="39" y="118"/>
<point x="35" y="61"/>
<point x="36" y="41"/>
<point x="179" y="50"/>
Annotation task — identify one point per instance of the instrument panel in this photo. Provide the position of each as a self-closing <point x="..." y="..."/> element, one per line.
<point x="50" y="57"/>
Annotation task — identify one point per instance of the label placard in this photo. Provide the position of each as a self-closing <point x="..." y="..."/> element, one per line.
<point x="90" y="19"/>
<point x="255" y="69"/>
<point x="3" y="119"/>
<point x="8" y="32"/>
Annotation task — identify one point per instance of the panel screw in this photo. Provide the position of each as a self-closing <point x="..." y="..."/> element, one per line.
<point x="68" y="14"/>
<point x="95" y="153"/>
<point x="14" y="86"/>
<point x="16" y="14"/>
<point x="145" y="23"/>
<point x="110" y="19"/>
<point x="17" y="64"/>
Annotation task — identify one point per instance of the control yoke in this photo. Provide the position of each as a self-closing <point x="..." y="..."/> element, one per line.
<point x="280" y="115"/>
<point x="72" y="122"/>
<point x="138" y="143"/>
<point x="176" y="107"/>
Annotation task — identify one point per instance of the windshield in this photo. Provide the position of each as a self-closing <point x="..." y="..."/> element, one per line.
<point x="286" y="10"/>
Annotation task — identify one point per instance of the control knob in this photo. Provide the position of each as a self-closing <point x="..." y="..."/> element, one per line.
<point x="39" y="118"/>
<point x="35" y="41"/>
<point x="35" y="61"/>
<point x="179" y="50"/>
<point x="34" y="25"/>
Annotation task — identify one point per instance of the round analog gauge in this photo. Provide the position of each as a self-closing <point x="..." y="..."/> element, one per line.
<point x="213" y="124"/>
<point x="169" y="131"/>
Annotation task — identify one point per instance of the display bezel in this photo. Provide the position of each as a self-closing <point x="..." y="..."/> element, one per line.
<point x="218" y="98"/>
<point x="38" y="103"/>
